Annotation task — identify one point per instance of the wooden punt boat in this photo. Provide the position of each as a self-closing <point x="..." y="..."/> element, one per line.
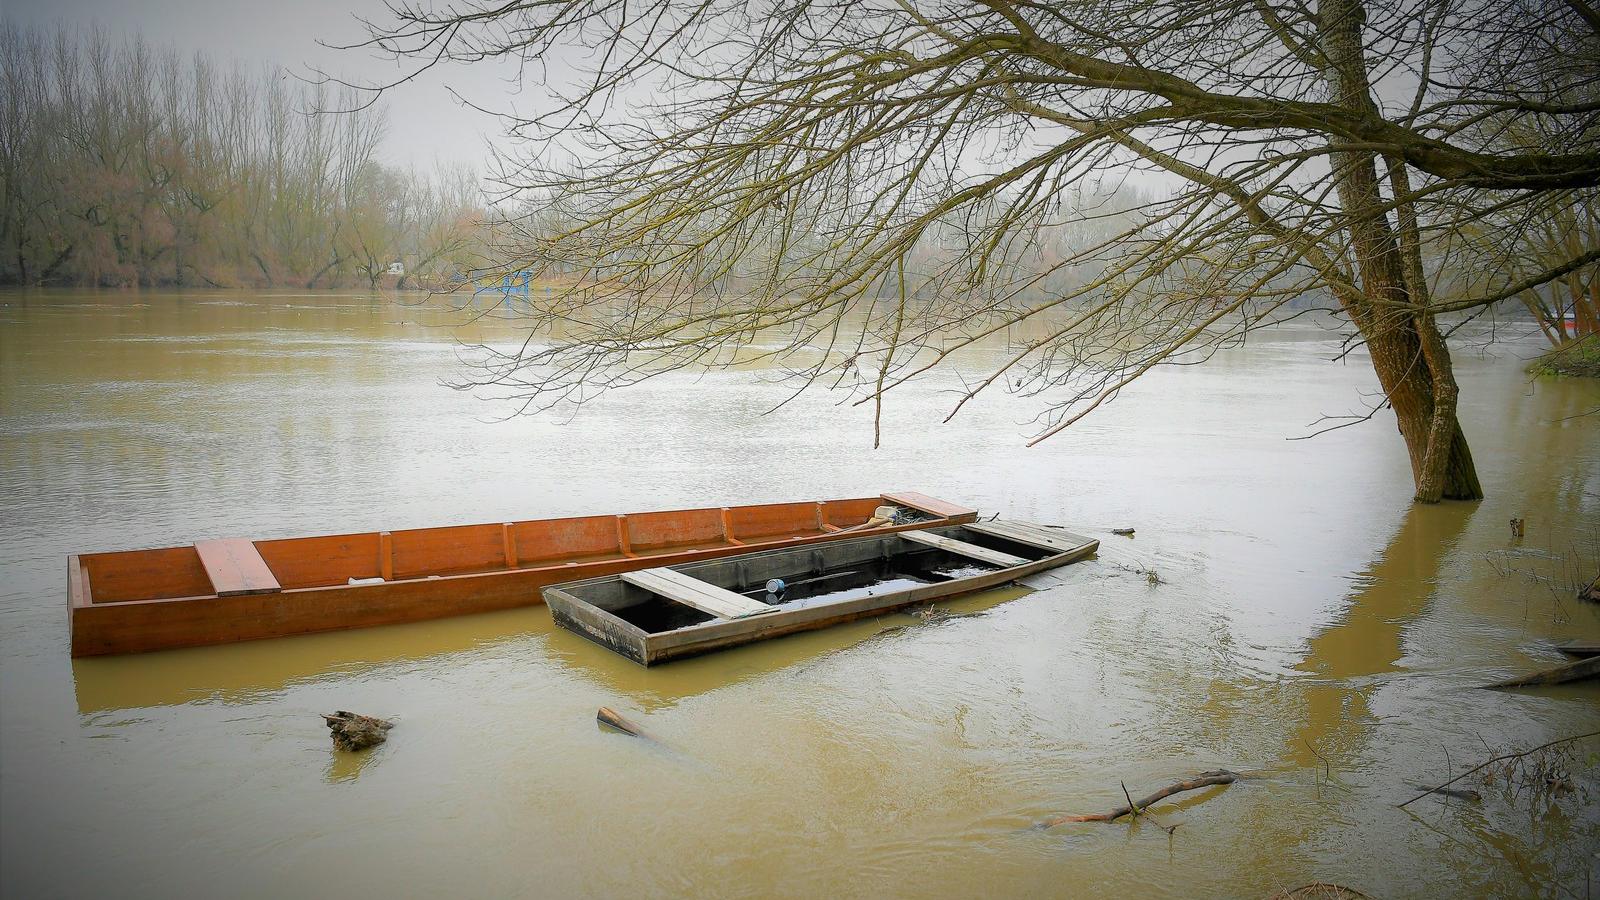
<point x="664" y="613"/>
<point x="220" y="591"/>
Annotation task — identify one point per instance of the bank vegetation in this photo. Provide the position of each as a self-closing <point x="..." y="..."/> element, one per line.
<point x="122" y="163"/>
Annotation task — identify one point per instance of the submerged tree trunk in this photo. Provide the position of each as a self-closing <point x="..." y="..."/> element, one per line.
<point x="1408" y="352"/>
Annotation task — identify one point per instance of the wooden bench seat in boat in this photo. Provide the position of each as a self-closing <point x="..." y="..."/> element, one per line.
<point x="962" y="548"/>
<point x="235" y="568"/>
<point x="930" y="505"/>
<point x="706" y="597"/>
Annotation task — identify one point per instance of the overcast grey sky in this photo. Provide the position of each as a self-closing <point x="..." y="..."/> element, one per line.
<point x="424" y="121"/>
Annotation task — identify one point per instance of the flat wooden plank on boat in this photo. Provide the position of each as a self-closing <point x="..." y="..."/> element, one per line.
<point x="928" y="504"/>
<point x="234" y="567"/>
<point x="1055" y="539"/>
<point x="962" y="548"/>
<point x="706" y="597"/>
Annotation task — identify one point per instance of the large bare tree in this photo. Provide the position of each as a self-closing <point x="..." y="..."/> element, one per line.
<point x="865" y="189"/>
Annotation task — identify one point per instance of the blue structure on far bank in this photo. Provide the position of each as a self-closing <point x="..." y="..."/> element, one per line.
<point x="511" y="283"/>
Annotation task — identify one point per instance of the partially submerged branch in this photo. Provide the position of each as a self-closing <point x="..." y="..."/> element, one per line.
<point x="1502" y="758"/>
<point x="1204" y="779"/>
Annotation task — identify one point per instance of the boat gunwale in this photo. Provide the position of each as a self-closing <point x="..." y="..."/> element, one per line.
<point x="709" y="554"/>
<point x="885" y="497"/>
<point x="623" y="552"/>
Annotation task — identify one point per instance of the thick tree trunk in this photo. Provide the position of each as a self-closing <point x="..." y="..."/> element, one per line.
<point x="1447" y="462"/>
<point x="1408" y="353"/>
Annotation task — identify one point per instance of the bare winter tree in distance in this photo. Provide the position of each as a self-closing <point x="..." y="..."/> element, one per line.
<point x="872" y="187"/>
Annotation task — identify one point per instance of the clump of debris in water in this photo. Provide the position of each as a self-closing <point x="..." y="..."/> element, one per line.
<point x="353" y="731"/>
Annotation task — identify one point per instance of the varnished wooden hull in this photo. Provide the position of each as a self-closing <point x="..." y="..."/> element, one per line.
<point x="608" y="611"/>
<point x="226" y="591"/>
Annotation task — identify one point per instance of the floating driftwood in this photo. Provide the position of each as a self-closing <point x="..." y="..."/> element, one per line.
<point x="353" y="731"/>
<point x="613" y="719"/>
<point x="1204" y="779"/>
<point x="1125" y="532"/>
<point x="1580" y="670"/>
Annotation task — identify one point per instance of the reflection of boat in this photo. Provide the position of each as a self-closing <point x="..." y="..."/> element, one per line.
<point x="264" y="670"/>
<point x="658" y="614"/>
<point x="246" y="673"/>
<point x="222" y="591"/>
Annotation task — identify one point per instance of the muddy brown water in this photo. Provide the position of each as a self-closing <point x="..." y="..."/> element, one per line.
<point x="1310" y="627"/>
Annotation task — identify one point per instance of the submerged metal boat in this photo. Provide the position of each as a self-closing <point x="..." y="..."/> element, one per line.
<point x="664" y="613"/>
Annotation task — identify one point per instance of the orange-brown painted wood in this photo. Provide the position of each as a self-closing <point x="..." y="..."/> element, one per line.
<point x="930" y="505"/>
<point x="234" y="567"/>
<point x="141" y="600"/>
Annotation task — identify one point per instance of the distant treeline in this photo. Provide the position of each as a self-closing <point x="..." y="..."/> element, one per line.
<point x="124" y="164"/>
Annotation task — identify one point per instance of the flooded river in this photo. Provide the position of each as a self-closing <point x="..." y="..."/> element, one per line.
<point x="1310" y="628"/>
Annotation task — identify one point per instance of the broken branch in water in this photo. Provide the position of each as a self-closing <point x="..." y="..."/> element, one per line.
<point x="1573" y="671"/>
<point x="1204" y="779"/>
<point x="1502" y="758"/>
<point x="1457" y="793"/>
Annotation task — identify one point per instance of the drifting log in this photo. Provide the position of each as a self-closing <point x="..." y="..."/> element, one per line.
<point x="352" y="731"/>
<point x="1125" y="532"/>
<point x="613" y="719"/>
<point x="1572" y="671"/>
<point x="1204" y="779"/>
